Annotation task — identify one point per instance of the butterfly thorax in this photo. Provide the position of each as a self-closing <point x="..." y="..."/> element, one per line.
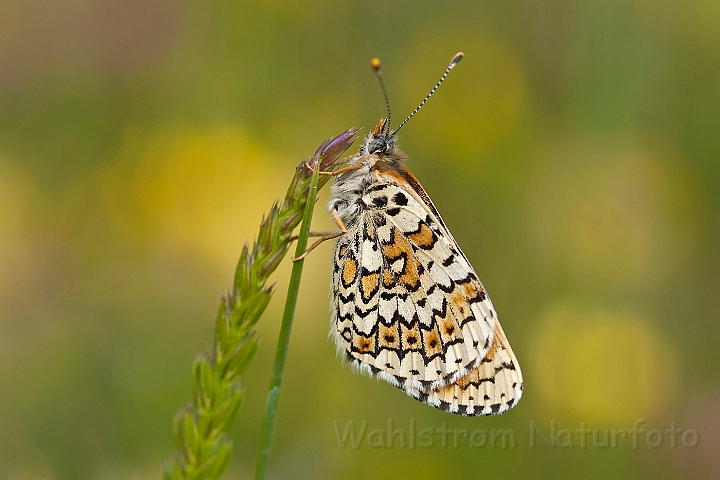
<point x="377" y="154"/>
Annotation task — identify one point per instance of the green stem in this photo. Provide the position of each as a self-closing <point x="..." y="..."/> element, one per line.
<point x="271" y="403"/>
<point x="201" y="428"/>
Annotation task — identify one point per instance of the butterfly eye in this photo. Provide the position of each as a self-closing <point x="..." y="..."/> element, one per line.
<point x="377" y="145"/>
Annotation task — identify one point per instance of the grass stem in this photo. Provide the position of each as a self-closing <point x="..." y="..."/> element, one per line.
<point x="273" y="396"/>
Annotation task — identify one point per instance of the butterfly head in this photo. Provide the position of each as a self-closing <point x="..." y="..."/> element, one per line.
<point x="380" y="141"/>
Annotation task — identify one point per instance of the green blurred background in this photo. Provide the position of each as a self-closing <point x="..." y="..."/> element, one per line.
<point x="574" y="154"/>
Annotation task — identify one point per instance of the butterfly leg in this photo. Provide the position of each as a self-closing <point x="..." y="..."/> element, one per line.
<point x="349" y="168"/>
<point x="325" y="235"/>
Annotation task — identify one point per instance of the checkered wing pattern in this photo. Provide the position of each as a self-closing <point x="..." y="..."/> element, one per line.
<point x="407" y="305"/>
<point x="493" y="387"/>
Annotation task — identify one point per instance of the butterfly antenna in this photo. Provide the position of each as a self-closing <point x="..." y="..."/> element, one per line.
<point x="375" y="65"/>
<point x="455" y="60"/>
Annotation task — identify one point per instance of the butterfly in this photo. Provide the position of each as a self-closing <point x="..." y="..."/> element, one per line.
<point x="407" y="306"/>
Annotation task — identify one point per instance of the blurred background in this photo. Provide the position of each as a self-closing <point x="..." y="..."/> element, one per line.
<point x="574" y="154"/>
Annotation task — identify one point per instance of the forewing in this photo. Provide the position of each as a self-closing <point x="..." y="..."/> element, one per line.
<point x="407" y="305"/>
<point x="451" y="298"/>
<point x="494" y="387"/>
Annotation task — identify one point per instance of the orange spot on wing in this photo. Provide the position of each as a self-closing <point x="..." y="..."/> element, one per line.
<point x="460" y="305"/>
<point x="410" y="277"/>
<point x="463" y="381"/>
<point x="396" y="247"/>
<point x="424" y="238"/>
<point x="471" y="289"/>
<point x="364" y="344"/>
<point x="432" y="342"/>
<point x="448" y="328"/>
<point x="369" y="284"/>
<point x="388" y="336"/>
<point x="394" y="250"/>
<point x="349" y="271"/>
<point x="411" y="338"/>
<point x="491" y="353"/>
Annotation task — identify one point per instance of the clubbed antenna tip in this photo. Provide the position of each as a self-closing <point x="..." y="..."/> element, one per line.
<point x="455" y="60"/>
<point x="375" y="65"/>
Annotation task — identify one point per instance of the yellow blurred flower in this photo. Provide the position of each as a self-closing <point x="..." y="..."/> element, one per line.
<point x="200" y="190"/>
<point x="602" y="365"/>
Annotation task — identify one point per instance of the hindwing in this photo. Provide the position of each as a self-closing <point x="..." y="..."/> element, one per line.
<point x="493" y="387"/>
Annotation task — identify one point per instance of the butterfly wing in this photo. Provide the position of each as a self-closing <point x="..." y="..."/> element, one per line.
<point x="493" y="387"/>
<point x="407" y="305"/>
